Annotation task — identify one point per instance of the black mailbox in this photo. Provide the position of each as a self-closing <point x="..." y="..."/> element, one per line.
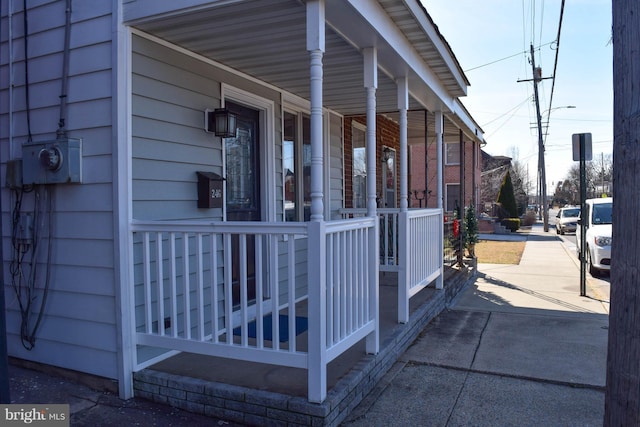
<point x="210" y="190"/>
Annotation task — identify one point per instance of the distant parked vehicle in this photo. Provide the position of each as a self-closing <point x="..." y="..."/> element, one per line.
<point x="598" y="221"/>
<point x="567" y="220"/>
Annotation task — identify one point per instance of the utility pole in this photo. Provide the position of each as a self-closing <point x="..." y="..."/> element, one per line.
<point x="537" y="76"/>
<point x="622" y="398"/>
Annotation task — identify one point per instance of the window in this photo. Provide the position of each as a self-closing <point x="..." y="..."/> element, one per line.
<point x="359" y="174"/>
<point x="453" y="153"/>
<point x="296" y="157"/>
<point x="452" y="197"/>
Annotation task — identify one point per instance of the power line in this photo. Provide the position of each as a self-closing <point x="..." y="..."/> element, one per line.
<point x="516" y="108"/>
<point x="555" y="64"/>
<point x="524" y="52"/>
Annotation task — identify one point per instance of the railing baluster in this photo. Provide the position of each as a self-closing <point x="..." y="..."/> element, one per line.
<point x="244" y="333"/>
<point x="259" y="292"/>
<point x="330" y="290"/>
<point x="275" y="289"/>
<point x="148" y="308"/>
<point x="367" y="277"/>
<point x="228" y="300"/>
<point x="200" y="284"/>
<point x="186" y="288"/>
<point x="174" y="286"/>
<point x="160" y="283"/>
<point x="356" y="262"/>
<point x="215" y="327"/>
<point x="291" y="264"/>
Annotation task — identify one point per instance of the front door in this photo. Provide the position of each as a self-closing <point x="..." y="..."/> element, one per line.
<point x="389" y="177"/>
<point x="242" y="158"/>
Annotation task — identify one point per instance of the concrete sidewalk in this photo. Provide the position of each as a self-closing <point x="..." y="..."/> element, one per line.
<point x="520" y="346"/>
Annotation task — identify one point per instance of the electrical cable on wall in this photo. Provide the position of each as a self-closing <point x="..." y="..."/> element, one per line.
<point x="26" y="69"/>
<point x="27" y="235"/>
<point x="31" y="227"/>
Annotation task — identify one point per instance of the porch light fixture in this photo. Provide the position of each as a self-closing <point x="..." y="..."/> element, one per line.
<point x="386" y="154"/>
<point x="221" y="122"/>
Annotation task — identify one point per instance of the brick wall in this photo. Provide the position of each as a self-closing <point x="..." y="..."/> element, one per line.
<point x="388" y="134"/>
<point x="451" y="173"/>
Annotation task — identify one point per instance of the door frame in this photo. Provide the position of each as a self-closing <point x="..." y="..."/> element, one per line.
<point x="385" y="176"/>
<point x="266" y="146"/>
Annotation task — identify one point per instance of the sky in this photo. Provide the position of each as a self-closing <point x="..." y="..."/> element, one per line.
<point x="492" y="41"/>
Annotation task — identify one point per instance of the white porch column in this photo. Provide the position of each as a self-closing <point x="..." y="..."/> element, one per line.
<point x="439" y="159"/>
<point x="371" y="84"/>
<point x="403" y="105"/>
<point x="315" y="46"/>
<point x="317" y="369"/>
<point x="403" y="221"/>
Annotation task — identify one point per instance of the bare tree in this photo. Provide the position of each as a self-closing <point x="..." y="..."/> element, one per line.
<point x="622" y="400"/>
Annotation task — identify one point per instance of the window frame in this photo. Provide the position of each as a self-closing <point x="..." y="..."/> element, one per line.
<point x="446" y="157"/>
<point x="298" y="164"/>
<point x="447" y="193"/>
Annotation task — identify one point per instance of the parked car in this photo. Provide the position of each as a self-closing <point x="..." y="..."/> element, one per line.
<point x="567" y="219"/>
<point x="598" y="220"/>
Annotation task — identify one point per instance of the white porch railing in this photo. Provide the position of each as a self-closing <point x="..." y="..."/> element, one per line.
<point x="320" y="275"/>
<point x="412" y="244"/>
<point x="421" y="254"/>
<point x="388" y="234"/>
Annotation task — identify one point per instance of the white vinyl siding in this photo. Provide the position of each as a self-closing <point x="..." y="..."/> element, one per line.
<point x="336" y="166"/>
<point x="170" y="91"/>
<point x="78" y="330"/>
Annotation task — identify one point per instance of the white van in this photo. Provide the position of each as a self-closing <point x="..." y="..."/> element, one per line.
<point x="598" y="220"/>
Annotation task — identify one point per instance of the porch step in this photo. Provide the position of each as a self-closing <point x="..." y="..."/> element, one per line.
<point x="500" y="229"/>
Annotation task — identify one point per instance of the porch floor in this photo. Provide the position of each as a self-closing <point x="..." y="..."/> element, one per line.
<point x="258" y="394"/>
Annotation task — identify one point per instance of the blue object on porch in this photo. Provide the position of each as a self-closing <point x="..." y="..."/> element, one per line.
<point x="283" y="326"/>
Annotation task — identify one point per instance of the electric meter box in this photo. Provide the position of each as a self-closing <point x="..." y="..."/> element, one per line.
<point x="52" y="162"/>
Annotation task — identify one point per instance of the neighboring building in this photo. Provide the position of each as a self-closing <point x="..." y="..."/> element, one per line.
<point x="162" y="236"/>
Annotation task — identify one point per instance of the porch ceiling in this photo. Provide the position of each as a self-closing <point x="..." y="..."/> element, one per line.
<point x="267" y="39"/>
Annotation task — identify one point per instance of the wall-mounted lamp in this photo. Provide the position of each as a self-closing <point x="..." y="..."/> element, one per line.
<point x="386" y="154"/>
<point x="221" y="122"/>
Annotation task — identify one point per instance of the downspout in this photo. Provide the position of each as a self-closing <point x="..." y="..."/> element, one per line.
<point x="461" y="201"/>
<point x="474" y="171"/>
<point x="426" y="160"/>
<point x="439" y="147"/>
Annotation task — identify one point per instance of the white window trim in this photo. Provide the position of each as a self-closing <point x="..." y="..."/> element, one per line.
<point x="295" y="105"/>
